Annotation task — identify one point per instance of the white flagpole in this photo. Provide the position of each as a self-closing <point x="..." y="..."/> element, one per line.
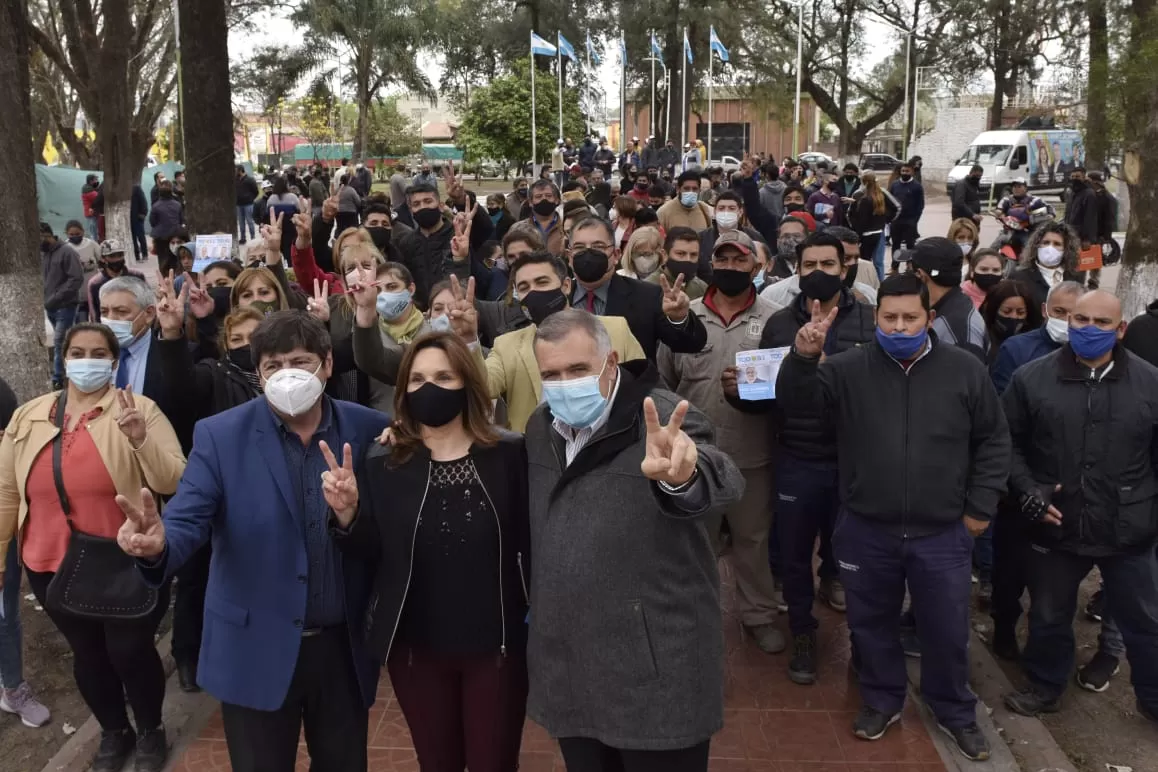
<point x="588" y="84"/>
<point x="559" y="52"/>
<point x="667" y="111"/>
<point x="711" y="104"/>
<point x="684" y="101"/>
<point x="622" y="95"/>
<point x="651" y="115"/>
<point x="534" y="157"/>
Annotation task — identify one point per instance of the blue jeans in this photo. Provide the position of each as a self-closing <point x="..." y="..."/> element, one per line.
<point x="62" y="320"/>
<point x="140" y="245"/>
<point x="245" y="217"/>
<point x="11" y="659"/>
<point x="1131" y="602"/>
<point x="94" y="231"/>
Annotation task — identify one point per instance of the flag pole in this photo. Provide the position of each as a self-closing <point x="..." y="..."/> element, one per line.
<point x="559" y="53"/>
<point x="622" y="94"/>
<point x="588" y="84"/>
<point x="684" y="100"/>
<point x="534" y="156"/>
<point x="667" y="110"/>
<point x="711" y="104"/>
<point x="651" y="115"/>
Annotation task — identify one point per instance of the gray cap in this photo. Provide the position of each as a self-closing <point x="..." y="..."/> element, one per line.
<point x="111" y="247"/>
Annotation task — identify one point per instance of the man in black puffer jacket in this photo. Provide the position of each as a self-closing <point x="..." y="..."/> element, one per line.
<point x="1084" y="423"/>
<point x="807" y="475"/>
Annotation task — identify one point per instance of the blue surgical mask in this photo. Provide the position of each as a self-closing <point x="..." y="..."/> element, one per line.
<point x="122" y="328"/>
<point x="1091" y="342"/>
<point x="900" y="346"/>
<point x="758" y="280"/>
<point x="440" y="323"/>
<point x="391" y="305"/>
<point x="689" y="199"/>
<point x="577" y="402"/>
<point x="88" y="375"/>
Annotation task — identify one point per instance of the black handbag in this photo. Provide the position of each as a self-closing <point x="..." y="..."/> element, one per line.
<point x="96" y="579"/>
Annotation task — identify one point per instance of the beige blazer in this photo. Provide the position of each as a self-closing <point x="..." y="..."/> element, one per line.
<point x="513" y="373"/>
<point x="156" y="465"/>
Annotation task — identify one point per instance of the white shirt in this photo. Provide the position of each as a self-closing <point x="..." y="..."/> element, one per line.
<point x="1052" y="276"/>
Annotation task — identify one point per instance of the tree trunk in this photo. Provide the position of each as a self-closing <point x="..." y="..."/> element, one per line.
<point x="208" y="141"/>
<point x="122" y="165"/>
<point x="1138" y="279"/>
<point x="1098" y="85"/>
<point x="21" y="285"/>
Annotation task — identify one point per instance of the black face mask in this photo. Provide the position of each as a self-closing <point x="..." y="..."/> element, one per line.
<point x="850" y="178"/>
<point x="544" y="208"/>
<point x="975" y="181"/>
<point x="819" y="285"/>
<point x="45" y="247"/>
<point x="221" y="297"/>
<point x="906" y="177"/>
<point x="731" y="282"/>
<point x="427" y="218"/>
<point x="794" y="207"/>
<point x="850" y="274"/>
<point x="432" y="405"/>
<point x="589" y="265"/>
<point x="540" y="304"/>
<point x="493" y="212"/>
<point x="114" y="267"/>
<point x="1077" y="185"/>
<point x="242" y="358"/>
<point x="986" y="281"/>
<point x="381" y="237"/>
<point x="685" y="268"/>
<point x="1007" y="326"/>
<point x="521" y="192"/>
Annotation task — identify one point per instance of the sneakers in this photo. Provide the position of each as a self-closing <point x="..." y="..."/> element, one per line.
<point x="1095" y="675"/>
<point x="22" y="702"/>
<point x="969" y="740"/>
<point x="910" y="643"/>
<point x="1005" y="643"/>
<point x="152" y="751"/>
<point x="768" y="637"/>
<point x="1096" y="606"/>
<point x="114" y="751"/>
<point x="831" y="591"/>
<point x="802" y="666"/>
<point x="1031" y="702"/>
<point x="871" y="724"/>
<point x="778" y="596"/>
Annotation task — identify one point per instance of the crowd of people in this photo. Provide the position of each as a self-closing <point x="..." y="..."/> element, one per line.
<point x="499" y="449"/>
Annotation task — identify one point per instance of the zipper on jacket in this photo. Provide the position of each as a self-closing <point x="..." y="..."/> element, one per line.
<point x="502" y="603"/>
<point x="905" y="456"/>
<point x="410" y="567"/>
<point x="522" y="577"/>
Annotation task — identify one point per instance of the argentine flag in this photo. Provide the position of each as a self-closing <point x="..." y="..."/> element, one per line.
<point x="622" y="49"/>
<point x="540" y="46"/>
<point x="687" y="47"/>
<point x="656" y="51"/>
<point x="592" y="54"/>
<point x="718" y="47"/>
<point x="566" y="49"/>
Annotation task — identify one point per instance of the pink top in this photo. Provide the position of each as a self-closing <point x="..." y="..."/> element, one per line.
<point x="975" y="293"/>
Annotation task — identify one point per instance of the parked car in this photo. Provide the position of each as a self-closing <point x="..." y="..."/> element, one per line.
<point x="729" y="163"/>
<point x="811" y="159"/>
<point x="878" y="162"/>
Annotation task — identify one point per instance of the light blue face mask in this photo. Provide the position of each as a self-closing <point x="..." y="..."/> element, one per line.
<point x="88" y="375"/>
<point x="689" y="199"/>
<point x="440" y="323"/>
<point x="122" y="328"/>
<point x="577" y="402"/>
<point x="391" y="305"/>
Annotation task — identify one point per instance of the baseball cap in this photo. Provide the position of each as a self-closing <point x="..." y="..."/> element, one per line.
<point x="809" y="221"/>
<point x="734" y="238"/>
<point x="1019" y="181"/>
<point x="936" y="255"/>
<point x="1096" y="177"/>
<point x="111" y="247"/>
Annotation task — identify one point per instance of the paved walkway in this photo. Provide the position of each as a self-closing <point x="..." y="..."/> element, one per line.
<point x="770" y="723"/>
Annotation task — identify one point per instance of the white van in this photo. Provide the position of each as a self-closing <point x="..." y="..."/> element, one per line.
<point x="1043" y="157"/>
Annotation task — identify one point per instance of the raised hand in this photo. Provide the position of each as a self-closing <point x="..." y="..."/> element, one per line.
<point x="143" y="534"/>
<point x="810" y="337"/>
<point x="330" y="208"/>
<point x="171" y="310"/>
<point x="318" y="306"/>
<point x="201" y="303"/>
<point x="463" y="315"/>
<point x="454" y="189"/>
<point x="675" y="301"/>
<point x="460" y="242"/>
<point x="164" y="285"/>
<point x="271" y="234"/>
<point x="304" y="223"/>
<point x="130" y="421"/>
<point x="339" y="486"/>
<point x="670" y="455"/>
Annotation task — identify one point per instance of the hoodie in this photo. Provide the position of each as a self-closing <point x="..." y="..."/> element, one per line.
<point x="1142" y="335"/>
<point x="772" y="197"/>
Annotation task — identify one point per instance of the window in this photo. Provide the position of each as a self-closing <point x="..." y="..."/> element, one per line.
<point x="994" y="155"/>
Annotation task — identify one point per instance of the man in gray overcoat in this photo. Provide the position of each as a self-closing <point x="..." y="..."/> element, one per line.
<point x="626" y="649"/>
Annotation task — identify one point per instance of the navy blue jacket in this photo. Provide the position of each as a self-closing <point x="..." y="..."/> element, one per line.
<point x="1017" y="351"/>
<point x="911" y="197"/>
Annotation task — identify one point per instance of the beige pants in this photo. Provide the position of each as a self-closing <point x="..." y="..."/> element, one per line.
<point x="750" y="521"/>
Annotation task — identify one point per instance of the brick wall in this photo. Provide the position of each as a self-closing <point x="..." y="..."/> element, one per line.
<point x="955" y="129"/>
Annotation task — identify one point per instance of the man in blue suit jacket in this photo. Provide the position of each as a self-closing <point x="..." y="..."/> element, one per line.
<point x="284" y="609"/>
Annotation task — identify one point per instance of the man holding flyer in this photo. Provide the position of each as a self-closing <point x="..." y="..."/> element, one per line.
<point x="806" y="474"/>
<point x="735" y="316"/>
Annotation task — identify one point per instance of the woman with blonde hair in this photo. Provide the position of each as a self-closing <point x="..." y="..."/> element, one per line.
<point x="258" y="288"/>
<point x="443" y="515"/>
<point x="966" y="235"/>
<point x="869" y="216"/>
<point x="643" y="256"/>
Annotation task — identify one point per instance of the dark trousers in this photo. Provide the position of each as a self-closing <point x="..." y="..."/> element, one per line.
<point x="463" y="711"/>
<point x="140" y="246"/>
<point x="189" y="606"/>
<point x="807" y="502"/>
<point x="323" y="698"/>
<point x="1010" y="544"/>
<point x="113" y="660"/>
<point x="1131" y="595"/>
<point x="582" y="754"/>
<point x="874" y="566"/>
<point x="870" y="249"/>
<point x="902" y="234"/>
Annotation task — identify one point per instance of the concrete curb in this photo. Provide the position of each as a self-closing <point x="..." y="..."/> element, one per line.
<point x="184" y="715"/>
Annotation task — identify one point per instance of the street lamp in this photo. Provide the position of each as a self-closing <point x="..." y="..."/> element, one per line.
<point x="917" y="89"/>
<point x="654" y="61"/>
<point x="799" y="60"/>
<point x="908" y="65"/>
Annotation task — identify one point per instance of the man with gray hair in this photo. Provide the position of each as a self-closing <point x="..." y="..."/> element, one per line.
<point x="128" y="308"/>
<point x="626" y="647"/>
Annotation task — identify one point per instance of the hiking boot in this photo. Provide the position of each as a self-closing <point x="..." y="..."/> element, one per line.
<point x="778" y="596"/>
<point x="1032" y="702"/>
<point x="871" y="724"/>
<point x="969" y="740"/>
<point x="152" y="751"/>
<point x="1096" y="606"/>
<point x="1095" y="675"/>
<point x="22" y="702"/>
<point x="1005" y="643"/>
<point x="768" y="637"/>
<point x="802" y="666"/>
<point x="831" y="591"/>
<point x="910" y="643"/>
<point x="114" y="751"/>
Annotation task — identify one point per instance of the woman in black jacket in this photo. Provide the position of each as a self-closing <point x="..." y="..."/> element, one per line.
<point x="443" y="513"/>
<point x="873" y="210"/>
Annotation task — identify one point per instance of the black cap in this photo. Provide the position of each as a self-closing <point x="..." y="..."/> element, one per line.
<point x="936" y="255"/>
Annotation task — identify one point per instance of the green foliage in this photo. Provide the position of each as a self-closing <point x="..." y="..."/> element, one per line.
<point x="390" y="132"/>
<point x="497" y="124"/>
